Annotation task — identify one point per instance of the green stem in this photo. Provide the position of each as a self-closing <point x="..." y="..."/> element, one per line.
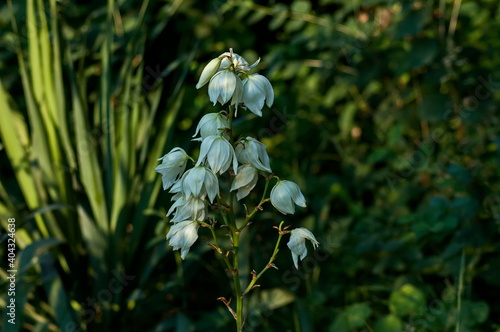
<point x="259" y="206"/>
<point x="269" y="264"/>
<point x="219" y="250"/>
<point x="236" y="240"/>
<point x="237" y="283"/>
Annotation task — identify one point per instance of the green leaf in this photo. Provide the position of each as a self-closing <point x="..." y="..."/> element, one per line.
<point x="434" y="107"/>
<point x="407" y="300"/>
<point x="389" y="323"/>
<point x="423" y="52"/>
<point x="272" y="299"/>
<point x="473" y="313"/>
<point x="346" y="119"/>
<point x="413" y="23"/>
<point x="279" y="17"/>
<point x="353" y="317"/>
<point x="301" y="6"/>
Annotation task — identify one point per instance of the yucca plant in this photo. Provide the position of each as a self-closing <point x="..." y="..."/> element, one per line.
<point x="80" y="147"/>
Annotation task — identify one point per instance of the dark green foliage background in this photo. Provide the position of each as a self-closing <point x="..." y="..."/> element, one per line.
<point x="386" y="115"/>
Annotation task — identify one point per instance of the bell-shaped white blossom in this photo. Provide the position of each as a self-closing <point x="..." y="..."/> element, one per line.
<point x="223" y="86"/>
<point x="182" y="235"/>
<point x="245" y="180"/>
<point x="200" y="182"/>
<point x="172" y="166"/>
<point x="297" y="244"/>
<point x="283" y="196"/>
<point x="187" y="208"/>
<point x="219" y="154"/>
<point x="212" y="124"/>
<point x="256" y="90"/>
<point x="250" y="150"/>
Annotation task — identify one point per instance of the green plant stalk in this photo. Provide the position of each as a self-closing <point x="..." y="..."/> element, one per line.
<point x="218" y="249"/>
<point x="235" y="239"/>
<point x="270" y="263"/>
<point x="258" y="207"/>
<point x="230" y="221"/>
<point x="237" y="284"/>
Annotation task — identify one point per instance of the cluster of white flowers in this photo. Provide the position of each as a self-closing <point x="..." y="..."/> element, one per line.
<point x="198" y="187"/>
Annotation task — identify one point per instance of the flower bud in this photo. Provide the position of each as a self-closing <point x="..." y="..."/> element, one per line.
<point x="245" y="180"/>
<point x="256" y="90"/>
<point x="219" y="154"/>
<point x="212" y="124"/>
<point x="209" y="71"/>
<point x="250" y="150"/>
<point x="284" y="194"/>
<point x="182" y="235"/>
<point x="297" y="244"/>
<point x="172" y="166"/>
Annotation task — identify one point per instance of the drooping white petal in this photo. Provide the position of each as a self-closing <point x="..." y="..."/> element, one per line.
<point x="295" y="193"/>
<point x="266" y="86"/>
<point x="253" y="97"/>
<point x="172" y="166"/>
<point x="218" y="153"/>
<point x="211" y="185"/>
<point x="256" y="90"/>
<point x="244" y="181"/>
<point x="222" y="86"/>
<point x="200" y="181"/>
<point x="183" y="235"/>
<point x="188" y="208"/>
<point x="297" y="244"/>
<point x="250" y="150"/>
<point x="281" y="200"/>
<point x="237" y="96"/>
<point x="212" y="124"/>
<point x="192" y="181"/>
<point x="283" y="196"/>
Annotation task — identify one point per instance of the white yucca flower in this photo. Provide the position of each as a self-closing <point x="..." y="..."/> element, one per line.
<point x="256" y="90"/>
<point x="211" y="124"/>
<point x="218" y="153"/>
<point x="297" y="244"/>
<point x="187" y="208"/>
<point x="200" y="182"/>
<point x="172" y="166"/>
<point x="284" y="194"/>
<point x="182" y="235"/>
<point x="245" y="180"/>
<point x="225" y="86"/>
<point x="251" y="151"/>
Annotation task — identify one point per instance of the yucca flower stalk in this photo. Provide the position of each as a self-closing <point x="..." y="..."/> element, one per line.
<point x="245" y="159"/>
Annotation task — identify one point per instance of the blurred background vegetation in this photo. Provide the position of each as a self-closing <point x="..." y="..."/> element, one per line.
<point x="386" y="114"/>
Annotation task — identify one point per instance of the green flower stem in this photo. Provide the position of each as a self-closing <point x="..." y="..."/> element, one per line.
<point x="224" y="216"/>
<point x="237" y="284"/>
<point x="236" y="240"/>
<point x="219" y="250"/>
<point x="259" y="206"/>
<point x="256" y="277"/>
